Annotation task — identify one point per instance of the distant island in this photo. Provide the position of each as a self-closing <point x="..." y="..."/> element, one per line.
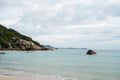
<point x="71" y="48"/>
<point x="49" y="46"/>
<point x="13" y="40"/>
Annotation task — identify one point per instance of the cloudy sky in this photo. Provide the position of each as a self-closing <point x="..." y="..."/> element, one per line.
<point x="65" y="23"/>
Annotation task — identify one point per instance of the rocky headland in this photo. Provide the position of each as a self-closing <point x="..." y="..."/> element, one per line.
<point x="13" y="40"/>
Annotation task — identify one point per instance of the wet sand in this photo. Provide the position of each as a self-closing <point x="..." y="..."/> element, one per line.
<point x="19" y="75"/>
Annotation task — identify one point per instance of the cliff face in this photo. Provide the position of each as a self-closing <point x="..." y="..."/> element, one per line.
<point x="13" y="40"/>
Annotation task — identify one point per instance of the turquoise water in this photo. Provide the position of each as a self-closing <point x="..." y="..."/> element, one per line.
<point x="68" y="62"/>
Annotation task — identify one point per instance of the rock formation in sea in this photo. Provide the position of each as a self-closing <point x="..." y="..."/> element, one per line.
<point x="21" y="44"/>
<point x="91" y="52"/>
<point x="13" y="40"/>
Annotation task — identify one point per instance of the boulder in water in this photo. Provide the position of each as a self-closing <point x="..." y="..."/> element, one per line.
<point x="91" y="52"/>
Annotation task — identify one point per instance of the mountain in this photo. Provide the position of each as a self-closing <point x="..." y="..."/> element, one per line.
<point x="13" y="40"/>
<point x="48" y="46"/>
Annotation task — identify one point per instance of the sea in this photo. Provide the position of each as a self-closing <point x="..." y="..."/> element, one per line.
<point x="105" y="65"/>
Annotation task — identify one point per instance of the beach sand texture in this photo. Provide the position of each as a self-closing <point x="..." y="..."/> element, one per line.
<point x="19" y="75"/>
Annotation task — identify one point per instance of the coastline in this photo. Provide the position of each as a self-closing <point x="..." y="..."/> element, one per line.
<point x="6" y="74"/>
<point x="18" y="49"/>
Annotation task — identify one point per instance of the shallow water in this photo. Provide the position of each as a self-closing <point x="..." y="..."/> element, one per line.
<point x="69" y="62"/>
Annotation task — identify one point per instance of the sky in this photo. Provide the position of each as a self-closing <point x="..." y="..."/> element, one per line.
<point x="93" y="24"/>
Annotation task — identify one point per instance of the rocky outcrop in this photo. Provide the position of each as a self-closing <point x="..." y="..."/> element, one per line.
<point x="21" y="44"/>
<point x="10" y="39"/>
<point x="90" y="52"/>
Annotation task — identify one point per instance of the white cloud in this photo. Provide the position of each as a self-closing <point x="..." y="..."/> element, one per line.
<point x="114" y="1"/>
<point x="8" y="22"/>
<point x="69" y="22"/>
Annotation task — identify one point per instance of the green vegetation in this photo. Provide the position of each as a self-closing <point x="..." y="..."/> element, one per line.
<point x="7" y="35"/>
<point x="3" y="43"/>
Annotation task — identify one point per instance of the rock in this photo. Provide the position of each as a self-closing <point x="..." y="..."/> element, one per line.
<point x="90" y="52"/>
<point x="46" y="49"/>
<point x="27" y="45"/>
<point x="2" y="53"/>
<point x="22" y="44"/>
<point x="22" y="47"/>
<point x="0" y="47"/>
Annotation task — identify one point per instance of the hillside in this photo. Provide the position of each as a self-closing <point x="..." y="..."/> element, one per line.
<point x="11" y="39"/>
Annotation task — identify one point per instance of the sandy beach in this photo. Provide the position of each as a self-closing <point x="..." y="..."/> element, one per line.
<point x="20" y="75"/>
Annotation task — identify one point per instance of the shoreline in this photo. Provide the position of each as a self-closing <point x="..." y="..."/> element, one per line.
<point x="7" y="74"/>
<point x="42" y="49"/>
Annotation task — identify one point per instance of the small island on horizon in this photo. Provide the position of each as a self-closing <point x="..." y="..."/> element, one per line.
<point x="10" y="39"/>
